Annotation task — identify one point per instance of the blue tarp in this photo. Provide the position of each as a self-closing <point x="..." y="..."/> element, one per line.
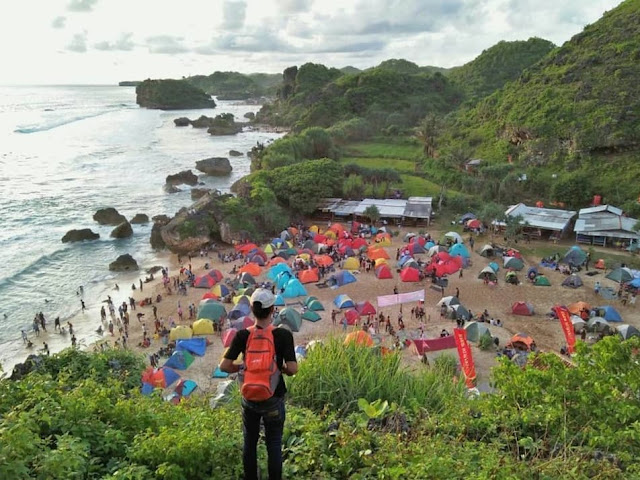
<point x="170" y="376"/>
<point x="177" y="361"/>
<point x="217" y="373"/>
<point x="197" y="346"/>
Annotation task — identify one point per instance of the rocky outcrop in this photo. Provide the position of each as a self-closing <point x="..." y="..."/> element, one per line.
<point x="123" y="230"/>
<point x="235" y="153"/>
<point x="182" y="122"/>
<point x="80" y="235"/>
<point x="140" y="218"/>
<point x="171" y="189"/>
<point x="202" y="122"/>
<point x="186" y="177"/>
<point x="156" y="241"/>
<point x="250" y="115"/>
<point x="214" y="166"/>
<point x="124" y="263"/>
<point x="171" y="95"/>
<point x="197" y="193"/>
<point x="224" y="124"/>
<point x="154" y="269"/>
<point x="109" y="216"/>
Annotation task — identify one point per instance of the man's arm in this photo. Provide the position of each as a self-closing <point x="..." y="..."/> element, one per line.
<point x="237" y="345"/>
<point x="289" y="356"/>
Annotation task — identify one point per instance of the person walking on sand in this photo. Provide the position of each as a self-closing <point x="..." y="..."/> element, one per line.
<point x="260" y="401"/>
<point x="457" y="293"/>
<point x="155" y="312"/>
<point x="140" y="284"/>
<point x="83" y="305"/>
<point x="45" y="348"/>
<point x="25" y="338"/>
<point x="56" y="323"/>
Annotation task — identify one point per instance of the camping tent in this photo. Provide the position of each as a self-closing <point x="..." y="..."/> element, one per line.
<point x="459" y="250"/>
<point x="436" y="249"/>
<point x="179" y="332"/>
<point x="383" y="272"/>
<point x="414" y="248"/>
<point x="514" y="263"/>
<point x="289" y="317"/>
<point x="252" y="269"/>
<point x="627" y="331"/>
<point x="257" y="260"/>
<point x="315" y="306"/>
<point x="238" y="311"/>
<point x="203" y="327"/>
<point x="308" y="276"/>
<point x="466" y="217"/>
<point x="454" y="236"/>
<point x="578" y="307"/>
<point x="344" y="301"/>
<point x="494" y="266"/>
<point x="220" y="290"/>
<point x="487" y="251"/>
<point x="359" y="337"/>
<point x="376" y="253"/>
<point x="476" y="330"/>
<point x="294" y="289"/>
<point x="620" y="275"/>
<point x="351" y="263"/>
<point x="522" y="308"/>
<point x="460" y="312"/>
<point x="228" y="335"/>
<point x="522" y="341"/>
<point x="184" y="388"/>
<point x="241" y="323"/>
<point x="487" y="272"/>
<point x="311" y="316"/>
<point x="343" y="278"/>
<point x="365" y="308"/>
<point x="323" y="260"/>
<point x="279" y="301"/>
<point x="180" y="360"/>
<point x="575" y="256"/>
<point x="597" y="324"/>
<point x="216" y="275"/>
<point x="204" y="281"/>
<point x="161" y="378"/>
<point x="448" y="301"/>
<point x="197" y="346"/>
<point x="246" y="278"/>
<point x="578" y="323"/>
<point x="541" y="281"/>
<point x="609" y="313"/>
<point x="212" y="310"/>
<point x="351" y="316"/>
<point x="572" y="281"/>
<point x="410" y="274"/>
<point x="511" y="277"/>
<point x="274" y="271"/>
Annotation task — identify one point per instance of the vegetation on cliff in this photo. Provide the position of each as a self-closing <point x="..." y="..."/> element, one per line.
<point x="80" y="415"/>
<point x="236" y="86"/>
<point x="171" y="95"/>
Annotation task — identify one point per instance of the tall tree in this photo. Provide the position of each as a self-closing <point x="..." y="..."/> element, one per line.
<point x="428" y="133"/>
<point x="372" y="213"/>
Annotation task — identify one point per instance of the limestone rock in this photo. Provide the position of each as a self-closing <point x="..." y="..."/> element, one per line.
<point x="214" y="166"/>
<point x="196" y="193"/>
<point x="171" y="189"/>
<point x="109" y="216"/>
<point x="235" y="153"/>
<point x="124" y="263"/>
<point x="80" y="235"/>
<point x="156" y="241"/>
<point x="171" y="95"/>
<point x="224" y="124"/>
<point x="123" y="230"/>
<point x="182" y="122"/>
<point x="202" y="122"/>
<point x="140" y="218"/>
<point x="250" y="115"/>
<point x="184" y="177"/>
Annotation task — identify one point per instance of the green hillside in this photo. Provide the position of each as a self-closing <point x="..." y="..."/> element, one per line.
<point x="236" y="86"/>
<point x="494" y="67"/>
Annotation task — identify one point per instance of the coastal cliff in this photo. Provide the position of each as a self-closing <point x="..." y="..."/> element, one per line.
<point x="171" y="95"/>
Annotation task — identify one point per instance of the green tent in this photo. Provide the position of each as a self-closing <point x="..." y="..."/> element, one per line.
<point x="542" y="281"/>
<point x="475" y="330"/>
<point x="316" y="306"/>
<point x="309" y="300"/>
<point x="211" y="310"/>
<point x="513" y="263"/>
<point x="311" y="316"/>
<point x="289" y="317"/>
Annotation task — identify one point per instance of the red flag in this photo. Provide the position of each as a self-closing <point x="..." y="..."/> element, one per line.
<point x="466" y="359"/>
<point x="565" y="321"/>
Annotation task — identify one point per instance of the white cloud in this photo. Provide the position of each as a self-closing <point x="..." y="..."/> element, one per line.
<point x="123" y="43"/>
<point x="166" y="44"/>
<point x="58" y="22"/>
<point x="78" y="43"/>
<point x="81" y="5"/>
<point x="233" y="14"/>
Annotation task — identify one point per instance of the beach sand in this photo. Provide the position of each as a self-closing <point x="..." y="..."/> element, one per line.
<point x="474" y="295"/>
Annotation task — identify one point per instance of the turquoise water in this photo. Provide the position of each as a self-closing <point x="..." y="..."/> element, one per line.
<point x="67" y="151"/>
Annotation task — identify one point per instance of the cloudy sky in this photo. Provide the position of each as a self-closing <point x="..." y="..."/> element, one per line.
<point x="104" y="41"/>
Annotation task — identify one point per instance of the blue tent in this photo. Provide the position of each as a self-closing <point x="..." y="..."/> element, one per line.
<point x="283" y="278"/>
<point x="239" y="311"/>
<point x="609" y="313"/>
<point x="635" y="283"/>
<point x="170" y="376"/>
<point x="274" y="271"/>
<point x="279" y="301"/>
<point x="344" y="277"/>
<point x="293" y="289"/>
<point x="459" y="250"/>
<point x="344" y="301"/>
<point x="404" y="259"/>
<point x="494" y="266"/>
<point x="257" y="259"/>
<point x="179" y="360"/>
<point x="278" y="242"/>
<point x="532" y="272"/>
<point x="466" y="217"/>
<point x="197" y="346"/>
<point x="147" y="388"/>
<point x="429" y="245"/>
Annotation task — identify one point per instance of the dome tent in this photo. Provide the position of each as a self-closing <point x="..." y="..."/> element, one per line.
<point x="522" y="308"/>
<point x="289" y="317"/>
<point x="476" y="330"/>
<point x="294" y="289"/>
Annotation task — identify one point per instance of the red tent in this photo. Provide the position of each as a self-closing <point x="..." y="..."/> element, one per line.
<point x="323" y="260"/>
<point x="204" y="281"/>
<point x="358" y="242"/>
<point x="227" y="336"/>
<point x="246" y="247"/>
<point x="209" y="295"/>
<point x="522" y="308"/>
<point x="410" y="274"/>
<point x="351" y="316"/>
<point x="308" y="276"/>
<point x="474" y="223"/>
<point x="318" y="238"/>
<point x="216" y="275"/>
<point x="365" y="308"/>
<point x="383" y="272"/>
<point x="419" y="240"/>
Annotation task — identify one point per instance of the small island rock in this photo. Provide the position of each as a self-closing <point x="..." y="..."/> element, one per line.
<point x="250" y="115"/>
<point x="124" y="263"/>
<point x="80" y="235"/>
<point x="196" y="193"/>
<point x="123" y="230"/>
<point x="140" y="218"/>
<point x="202" y="122"/>
<point x="159" y="221"/>
<point x="171" y="95"/>
<point x="109" y="216"/>
<point x="235" y="153"/>
<point x="182" y="122"/>
<point x="214" y="166"/>
<point x="224" y="124"/>
<point x="185" y="177"/>
<point x="171" y="189"/>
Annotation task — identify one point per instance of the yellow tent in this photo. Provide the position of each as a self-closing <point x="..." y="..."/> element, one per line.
<point x="380" y="261"/>
<point x="305" y="256"/>
<point x="180" y="332"/>
<point x="203" y="326"/>
<point x="237" y="298"/>
<point x="330" y="234"/>
<point x="351" y="263"/>
<point x="314" y="229"/>
<point x="268" y="249"/>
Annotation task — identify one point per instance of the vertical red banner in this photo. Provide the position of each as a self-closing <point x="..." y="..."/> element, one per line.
<point x="466" y="358"/>
<point x="567" y="327"/>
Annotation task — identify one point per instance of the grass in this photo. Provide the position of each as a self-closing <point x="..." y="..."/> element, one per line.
<point x="384" y="149"/>
<point x="413" y="186"/>
<point x="407" y="166"/>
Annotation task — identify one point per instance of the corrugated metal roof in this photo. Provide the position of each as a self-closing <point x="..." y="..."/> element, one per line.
<point x="415" y="207"/>
<point x="345" y="207"/>
<point x="544" y="218"/>
<point x="418" y="207"/>
<point x="388" y="208"/>
<point x="619" y="227"/>
<point x="605" y="209"/>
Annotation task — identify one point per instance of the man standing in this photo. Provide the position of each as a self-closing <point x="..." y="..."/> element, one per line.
<point x="271" y="410"/>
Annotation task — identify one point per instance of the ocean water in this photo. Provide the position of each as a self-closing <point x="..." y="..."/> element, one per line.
<point x="66" y="151"/>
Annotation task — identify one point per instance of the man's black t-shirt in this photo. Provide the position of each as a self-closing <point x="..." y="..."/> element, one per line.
<point x="285" y="351"/>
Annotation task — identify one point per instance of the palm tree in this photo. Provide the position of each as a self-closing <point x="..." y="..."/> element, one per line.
<point x="427" y="133"/>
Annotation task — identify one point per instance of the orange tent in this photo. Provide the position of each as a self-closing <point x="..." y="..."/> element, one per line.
<point x="376" y="253"/>
<point x="246" y="247"/>
<point x="252" y="269"/>
<point x="600" y="264"/>
<point x="359" y="337"/>
<point x="577" y="307"/>
<point x="323" y="260"/>
<point x="293" y="230"/>
<point x="522" y="341"/>
<point x="308" y="276"/>
<point x="275" y="261"/>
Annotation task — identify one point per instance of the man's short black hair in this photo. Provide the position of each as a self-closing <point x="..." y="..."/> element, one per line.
<point x="259" y="312"/>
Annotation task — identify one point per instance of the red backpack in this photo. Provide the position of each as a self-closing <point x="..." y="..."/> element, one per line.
<point x="260" y="375"/>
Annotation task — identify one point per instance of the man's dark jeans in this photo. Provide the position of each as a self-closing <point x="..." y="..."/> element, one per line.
<point x="272" y="413"/>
